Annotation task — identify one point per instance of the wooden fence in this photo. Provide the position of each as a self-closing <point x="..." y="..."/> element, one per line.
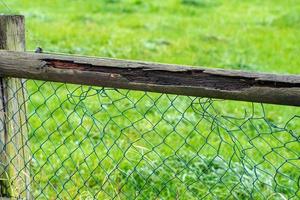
<point x="16" y="64"/>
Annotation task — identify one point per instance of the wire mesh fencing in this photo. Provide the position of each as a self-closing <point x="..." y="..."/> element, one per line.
<point x="102" y="143"/>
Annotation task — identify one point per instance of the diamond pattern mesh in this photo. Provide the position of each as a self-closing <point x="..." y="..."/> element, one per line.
<point x="100" y="143"/>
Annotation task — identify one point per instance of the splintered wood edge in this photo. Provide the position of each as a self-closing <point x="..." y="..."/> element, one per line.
<point x="154" y="77"/>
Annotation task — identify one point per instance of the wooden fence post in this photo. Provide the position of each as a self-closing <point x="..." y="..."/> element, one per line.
<point x="13" y="128"/>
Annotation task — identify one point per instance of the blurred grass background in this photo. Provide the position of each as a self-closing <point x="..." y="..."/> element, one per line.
<point x="249" y="35"/>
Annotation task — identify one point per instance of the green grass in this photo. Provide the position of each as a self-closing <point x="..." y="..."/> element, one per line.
<point x="90" y="143"/>
<point x="252" y="35"/>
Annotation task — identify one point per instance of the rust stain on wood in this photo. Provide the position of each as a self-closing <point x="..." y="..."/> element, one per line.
<point x="153" y="77"/>
<point x="195" y="77"/>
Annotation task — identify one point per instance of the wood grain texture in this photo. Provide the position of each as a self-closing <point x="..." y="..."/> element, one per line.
<point x="136" y="75"/>
<point x="14" y="152"/>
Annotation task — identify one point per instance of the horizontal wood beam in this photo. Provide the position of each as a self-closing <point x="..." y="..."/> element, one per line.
<point x="154" y="77"/>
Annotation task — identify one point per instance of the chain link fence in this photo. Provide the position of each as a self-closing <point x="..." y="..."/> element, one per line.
<point x="102" y="143"/>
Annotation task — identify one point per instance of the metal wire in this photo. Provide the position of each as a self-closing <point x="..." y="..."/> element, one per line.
<point x="103" y="143"/>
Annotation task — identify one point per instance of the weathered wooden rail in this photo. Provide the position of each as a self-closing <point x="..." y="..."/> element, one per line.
<point x="136" y="75"/>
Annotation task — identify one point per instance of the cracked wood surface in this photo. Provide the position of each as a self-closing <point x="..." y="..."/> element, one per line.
<point x="145" y="76"/>
<point x="15" y="177"/>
